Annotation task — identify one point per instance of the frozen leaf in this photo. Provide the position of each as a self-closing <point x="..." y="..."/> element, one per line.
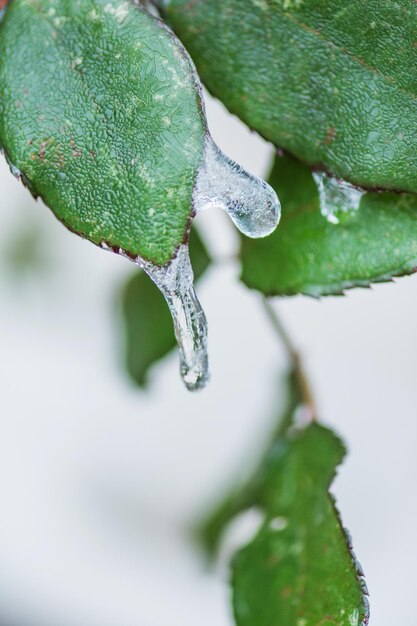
<point x="324" y="249"/>
<point x="299" y="570"/>
<point x="332" y="82"/>
<point x="101" y="115"/>
<point x="148" y="331"/>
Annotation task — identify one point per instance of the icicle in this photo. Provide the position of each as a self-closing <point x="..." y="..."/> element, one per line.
<point x="175" y="280"/>
<point x="338" y="199"/>
<point x="255" y="209"/>
<point x="250" y="202"/>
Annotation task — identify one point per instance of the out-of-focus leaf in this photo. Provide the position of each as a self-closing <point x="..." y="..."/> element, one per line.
<point x="147" y="323"/>
<point x="299" y="569"/>
<point x="26" y="253"/>
<point x="312" y="256"/>
<point x="332" y="82"/>
<point x="101" y="116"/>
<point x="244" y="495"/>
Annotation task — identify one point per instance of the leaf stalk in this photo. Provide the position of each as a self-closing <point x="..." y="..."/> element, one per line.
<point x="295" y="359"/>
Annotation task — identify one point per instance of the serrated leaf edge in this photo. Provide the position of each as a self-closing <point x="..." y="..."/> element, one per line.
<point x="317" y="291"/>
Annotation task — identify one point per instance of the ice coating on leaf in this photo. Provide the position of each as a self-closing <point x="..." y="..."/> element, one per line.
<point x="127" y="174"/>
<point x="255" y="209"/>
<point x="338" y="199"/>
<point x="249" y="201"/>
<point x="113" y="146"/>
<point x="175" y="280"/>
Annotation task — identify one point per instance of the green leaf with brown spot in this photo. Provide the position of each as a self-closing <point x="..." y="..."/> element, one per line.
<point x="333" y="82"/>
<point x="101" y="116"/>
<point x="310" y="255"/>
<point x="299" y="569"/>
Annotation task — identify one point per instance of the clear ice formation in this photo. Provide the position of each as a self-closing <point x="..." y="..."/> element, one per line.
<point x="251" y="203"/>
<point x="175" y="280"/>
<point x="338" y="199"/>
<point x="255" y="209"/>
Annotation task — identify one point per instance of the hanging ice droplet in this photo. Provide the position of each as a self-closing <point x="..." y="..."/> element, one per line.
<point x="255" y="209"/>
<point x="338" y="199"/>
<point x="249" y="201"/>
<point x="175" y="280"/>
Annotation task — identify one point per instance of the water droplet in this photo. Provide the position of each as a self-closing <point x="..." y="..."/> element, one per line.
<point x="359" y="568"/>
<point x="364" y="587"/>
<point x="348" y="538"/>
<point x="339" y="200"/>
<point x="367" y="610"/>
<point x="175" y="280"/>
<point x="249" y="201"/>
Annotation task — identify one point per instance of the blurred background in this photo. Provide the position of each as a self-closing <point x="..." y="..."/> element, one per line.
<point x="100" y="481"/>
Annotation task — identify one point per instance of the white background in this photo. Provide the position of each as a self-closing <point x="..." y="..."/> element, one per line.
<point x="99" y="481"/>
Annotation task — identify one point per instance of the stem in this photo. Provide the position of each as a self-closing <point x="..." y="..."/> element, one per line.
<point x="295" y="359"/>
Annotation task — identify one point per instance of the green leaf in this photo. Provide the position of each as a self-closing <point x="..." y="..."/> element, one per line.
<point x="148" y="330"/>
<point x="101" y="115"/>
<point x="332" y="82"/>
<point x="299" y="570"/>
<point x="312" y="256"/>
